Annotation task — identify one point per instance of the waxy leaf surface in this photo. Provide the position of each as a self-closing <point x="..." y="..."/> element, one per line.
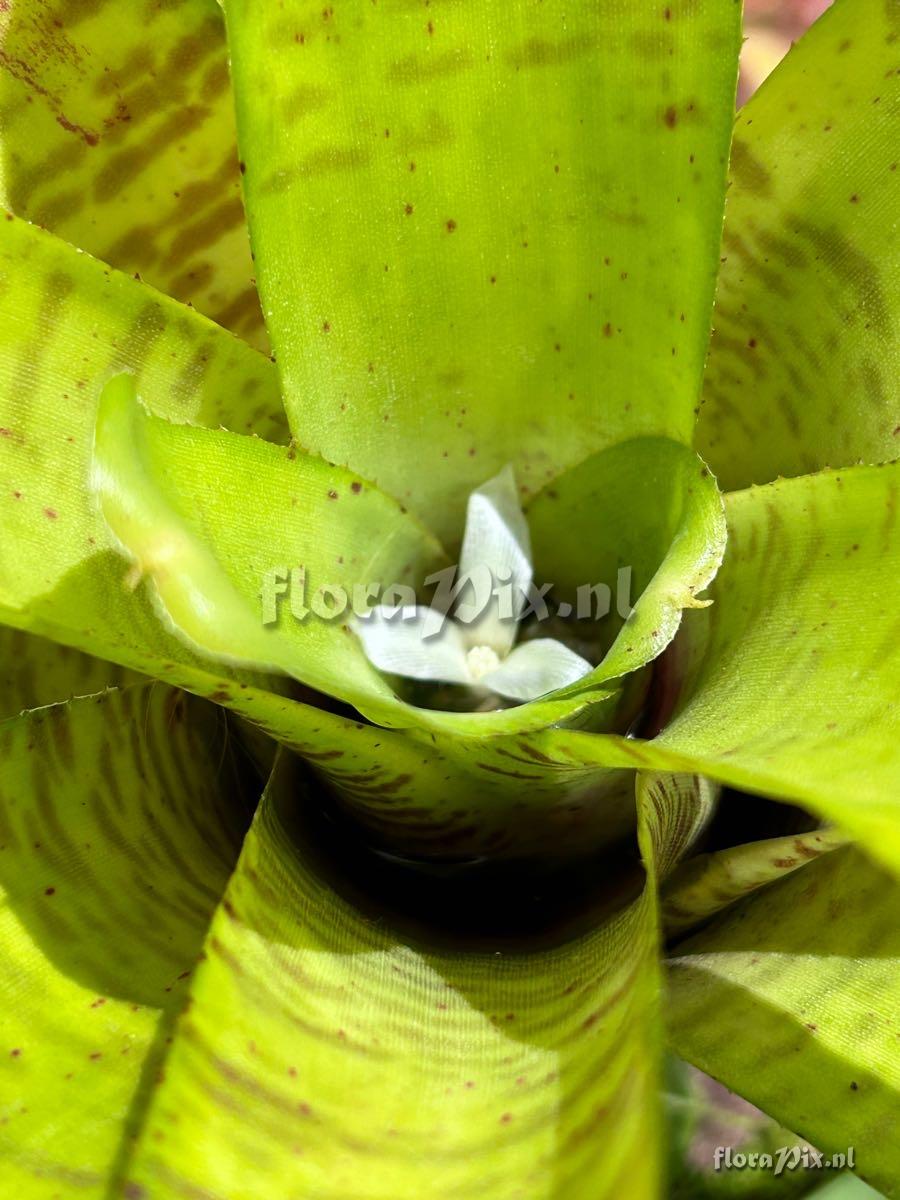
<point x="118" y="135"/>
<point x="484" y="236"/>
<point x="805" y="360"/>
<point x="119" y="826"/>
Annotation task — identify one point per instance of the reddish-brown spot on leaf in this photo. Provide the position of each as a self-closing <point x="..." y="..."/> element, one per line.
<point x="51" y="514"/>
<point x="451" y="225"/>
<point x="49" y="891"/>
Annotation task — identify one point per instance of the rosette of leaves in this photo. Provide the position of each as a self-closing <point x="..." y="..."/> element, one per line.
<point x="483" y="235"/>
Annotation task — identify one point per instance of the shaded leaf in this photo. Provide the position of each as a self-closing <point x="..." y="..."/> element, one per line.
<point x="35" y="672"/>
<point x="473" y="1073"/>
<point x="810" y="965"/>
<point x="644" y="520"/>
<point x="119" y="825"/>
<point x="787" y="684"/>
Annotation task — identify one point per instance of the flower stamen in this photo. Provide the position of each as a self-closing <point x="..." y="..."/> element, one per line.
<point x="481" y="660"/>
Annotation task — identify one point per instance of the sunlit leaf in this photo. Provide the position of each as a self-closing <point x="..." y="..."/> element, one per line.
<point x="644" y="521"/>
<point x="787" y="684"/>
<point x="710" y="882"/>
<point x="475" y="1071"/>
<point x="119" y="825"/>
<point x="805" y="360"/>
<point x="66" y="323"/>
<point x="809" y="968"/>
<point x="485" y="235"/>
<point x="118" y="135"/>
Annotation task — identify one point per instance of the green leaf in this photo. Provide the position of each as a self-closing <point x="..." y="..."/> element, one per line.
<point x="643" y="517"/>
<point x="847" y="1187"/>
<point x="118" y="135"/>
<point x="804" y="365"/>
<point x="209" y="553"/>
<point x="326" y="1052"/>
<point x="35" y="672"/>
<point x="119" y="826"/>
<point x="427" y="797"/>
<point x="810" y="966"/>
<point x="787" y="684"/>
<point x="492" y="234"/>
<point x="66" y="322"/>
<point x="707" y="883"/>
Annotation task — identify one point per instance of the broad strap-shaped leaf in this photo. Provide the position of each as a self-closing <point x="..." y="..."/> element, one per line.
<point x="119" y="825"/>
<point x="643" y="520"/>
<point x="707" y="883"/>
<point x="810" y="965"/>
<point x="290" y="518"/>
<point x="846" y="1187"/>
<point x="209" y="551"/>
<point x="787" y="684"/>
<point x="326" y="1053"/>
<point x="66" y="323"/>
<point x="425" y="796"/>
<point x="417" y="792"/>
<point x="35" y="672"/>
<point x="118" y="135"/>
<point x="804" y="363"/>
<point x="484" y="236"/>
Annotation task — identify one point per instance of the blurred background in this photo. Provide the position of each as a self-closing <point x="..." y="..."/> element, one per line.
<point x="769" y="27"/>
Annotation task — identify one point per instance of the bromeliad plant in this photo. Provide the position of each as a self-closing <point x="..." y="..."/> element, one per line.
<point x="486" y="237"/>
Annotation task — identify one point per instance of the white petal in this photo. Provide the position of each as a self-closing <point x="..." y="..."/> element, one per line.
<point x="398" y="644"/>
<point x="496" y="552"/>
<point x="536" y="668"/>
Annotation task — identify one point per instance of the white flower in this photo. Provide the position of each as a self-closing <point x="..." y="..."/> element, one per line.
<point x="476" y="647"/>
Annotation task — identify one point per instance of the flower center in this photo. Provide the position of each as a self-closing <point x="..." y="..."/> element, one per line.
<point x="481" y="659"/>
